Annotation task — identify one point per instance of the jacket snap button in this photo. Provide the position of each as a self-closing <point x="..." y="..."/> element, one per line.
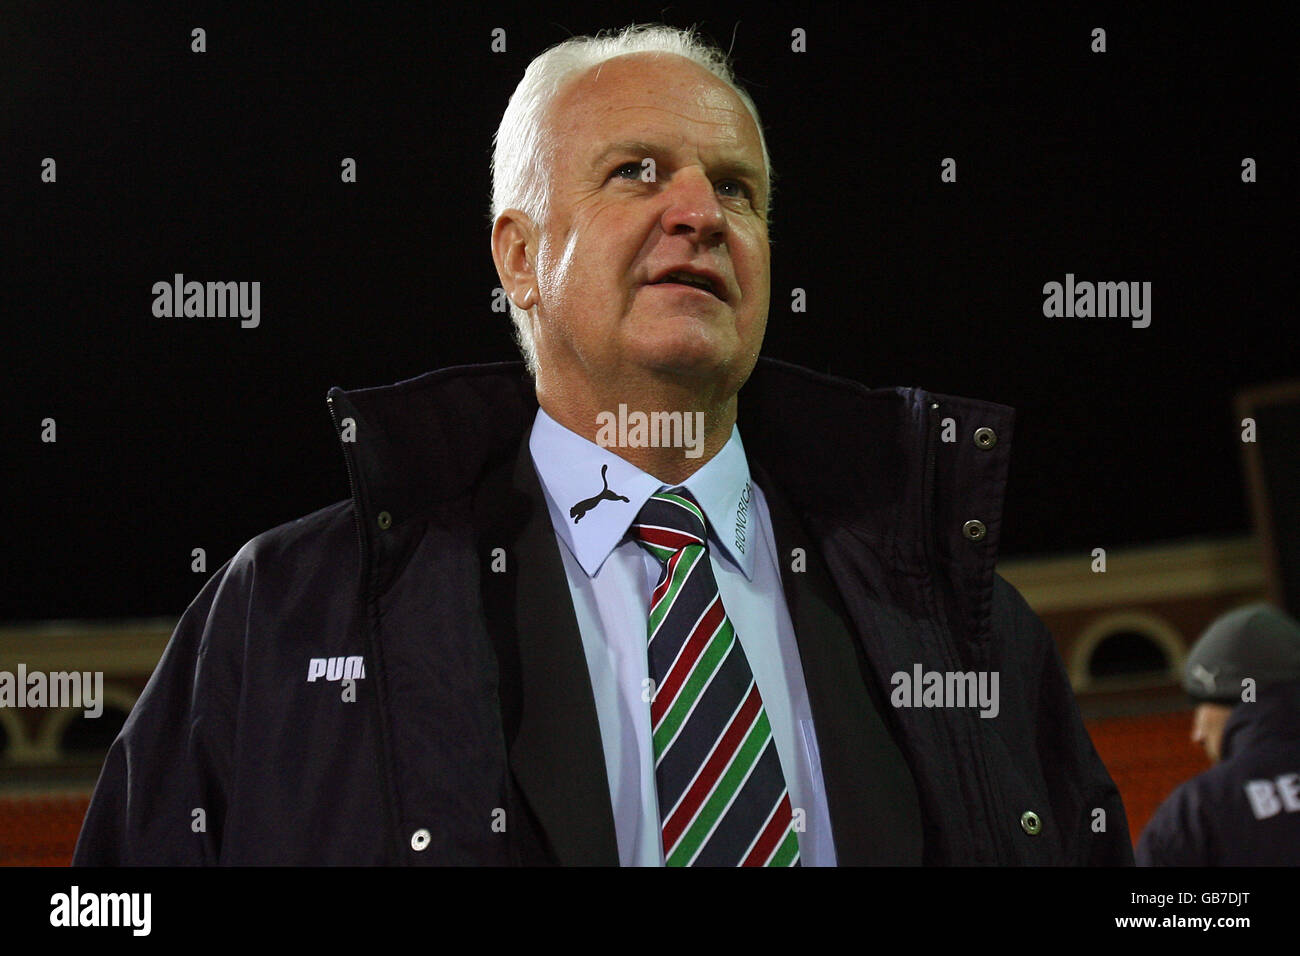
<point x="1030" y="823"/>
<point x="985" y="438"/>
<point x="974" y="530"/>
<point x="385" y="521"/>
<point x="419" y="839"/>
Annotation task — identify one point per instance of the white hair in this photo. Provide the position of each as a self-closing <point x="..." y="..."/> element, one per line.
<point x="522" y="152"/>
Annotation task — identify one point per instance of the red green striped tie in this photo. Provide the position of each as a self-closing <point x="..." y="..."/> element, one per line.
<point x="722" y="796"/>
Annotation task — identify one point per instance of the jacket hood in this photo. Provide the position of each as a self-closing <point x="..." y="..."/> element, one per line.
<point x="917" y="476"/>
<point x="1273" y="716"/>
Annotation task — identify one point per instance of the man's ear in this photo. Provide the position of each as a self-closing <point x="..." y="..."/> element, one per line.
<point x="514" y="250"/>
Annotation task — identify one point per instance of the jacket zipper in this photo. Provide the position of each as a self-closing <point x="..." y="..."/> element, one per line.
<point x="371" y="645"/>
<point x="953" y="658"/>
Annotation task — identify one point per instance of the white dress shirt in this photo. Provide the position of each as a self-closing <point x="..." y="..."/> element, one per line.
<point x="610" y="579"/>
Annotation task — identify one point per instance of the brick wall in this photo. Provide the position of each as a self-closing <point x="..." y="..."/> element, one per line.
<point x="1148" y="756"/>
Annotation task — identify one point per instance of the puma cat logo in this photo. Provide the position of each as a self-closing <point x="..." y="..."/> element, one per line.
<point x="586" y="504"/>
<point x="1203" y="676"/>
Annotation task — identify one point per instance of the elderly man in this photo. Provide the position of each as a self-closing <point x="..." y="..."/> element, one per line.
<point x="569" y="617"/>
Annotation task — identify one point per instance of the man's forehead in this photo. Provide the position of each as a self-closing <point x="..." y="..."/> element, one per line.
<point x="675" y="82"/>
<point x="648" y="107"/>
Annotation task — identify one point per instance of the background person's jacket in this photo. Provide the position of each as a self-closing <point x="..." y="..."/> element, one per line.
<point x="471" y="735"/>
<point x="1214" y="819"/>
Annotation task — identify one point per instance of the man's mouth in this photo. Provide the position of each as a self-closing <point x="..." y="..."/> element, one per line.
<point x="692" y="279"/>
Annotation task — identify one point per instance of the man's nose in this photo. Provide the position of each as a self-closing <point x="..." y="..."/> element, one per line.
<point x="693" y="206"/>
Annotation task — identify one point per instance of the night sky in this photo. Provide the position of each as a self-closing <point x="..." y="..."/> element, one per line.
<point x="177" y="433"/>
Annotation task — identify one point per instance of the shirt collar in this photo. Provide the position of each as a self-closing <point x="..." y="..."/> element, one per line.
<point x="569" y="468"/>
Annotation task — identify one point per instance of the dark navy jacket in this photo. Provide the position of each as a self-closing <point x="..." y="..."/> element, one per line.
<point x="1245" y="810"/>
<point x="467" y="732"/>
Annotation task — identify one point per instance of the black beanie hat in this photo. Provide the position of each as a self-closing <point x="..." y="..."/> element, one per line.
<point x="1257" y="641"/>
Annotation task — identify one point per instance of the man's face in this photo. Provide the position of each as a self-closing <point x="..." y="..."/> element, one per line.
<point x="1207" y="728"/>
<point x="611" y="234"/>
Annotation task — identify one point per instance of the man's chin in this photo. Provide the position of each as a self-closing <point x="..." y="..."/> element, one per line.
<point x="704" y="378"/>
<point x="693" y="345"/>
<point x="687" y="360"/>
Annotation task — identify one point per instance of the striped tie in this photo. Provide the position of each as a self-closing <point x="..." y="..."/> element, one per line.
<point x="722" y="796"/>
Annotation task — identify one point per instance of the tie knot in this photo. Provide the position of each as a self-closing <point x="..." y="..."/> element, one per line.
<point x="668" y="522"/>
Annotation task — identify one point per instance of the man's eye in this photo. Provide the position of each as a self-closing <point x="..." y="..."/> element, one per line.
<point x="633" y="167"/>
<point x="743" y="189"/>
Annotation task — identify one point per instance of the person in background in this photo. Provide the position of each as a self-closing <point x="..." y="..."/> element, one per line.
<point x="1244" y="674"/>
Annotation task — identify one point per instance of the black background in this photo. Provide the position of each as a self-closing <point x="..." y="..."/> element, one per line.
<point x="927" y="909"/>
<point x="182" y="433"/>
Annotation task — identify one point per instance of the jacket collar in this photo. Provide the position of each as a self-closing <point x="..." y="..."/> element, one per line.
<point x="1274" y="714"/>
<point x="897" y="470"/>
